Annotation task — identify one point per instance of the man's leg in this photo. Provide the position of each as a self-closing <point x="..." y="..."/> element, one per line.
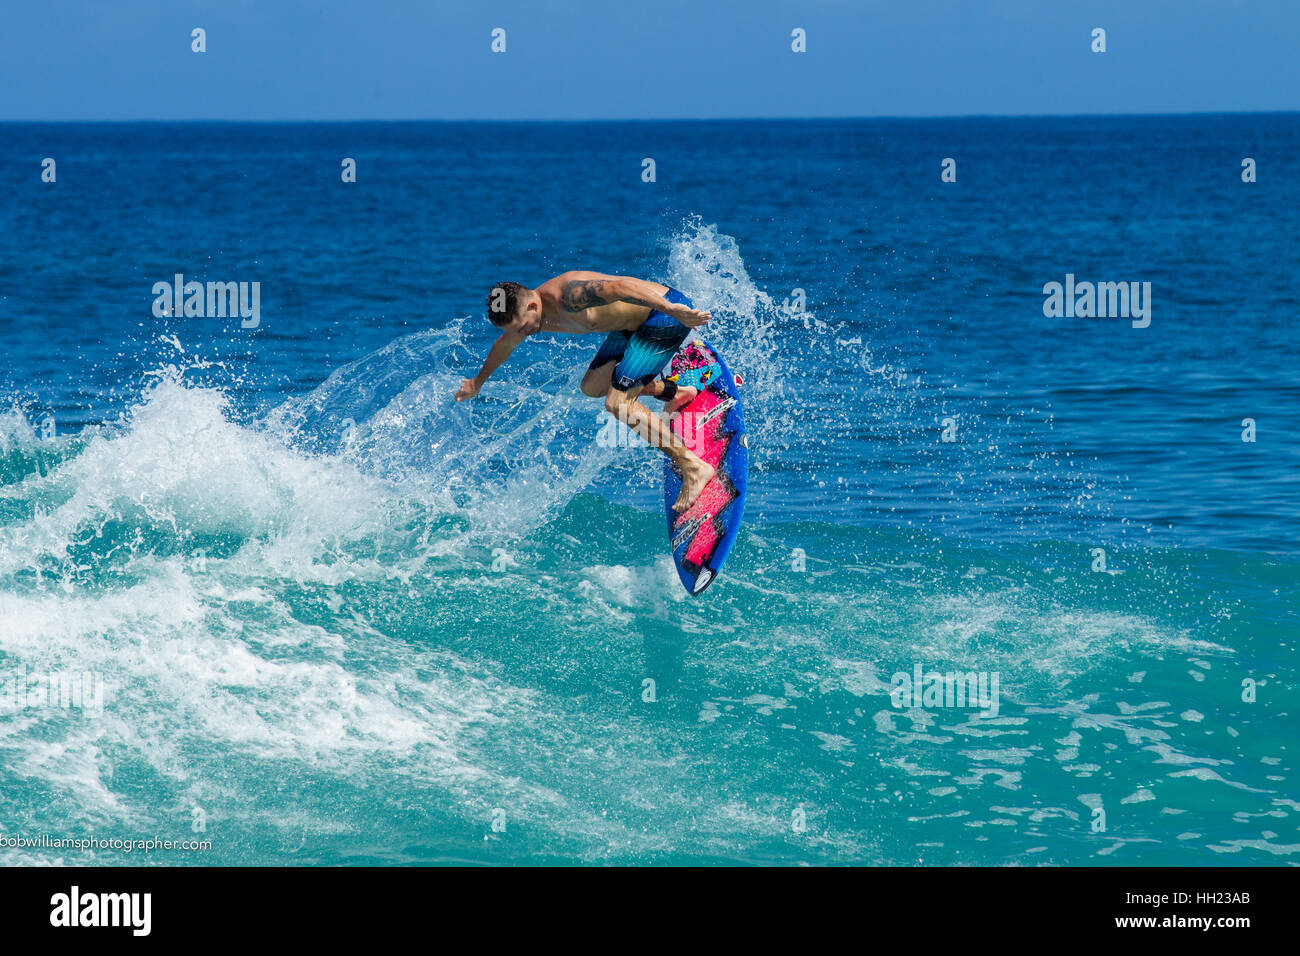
<point x="600" y="373"/>
<point x="694" y="470"/>
<point x="674" y="397"/>
<point x="596" y="381"/>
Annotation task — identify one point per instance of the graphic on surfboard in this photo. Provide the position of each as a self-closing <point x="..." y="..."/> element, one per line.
<point x="713" y="426"/>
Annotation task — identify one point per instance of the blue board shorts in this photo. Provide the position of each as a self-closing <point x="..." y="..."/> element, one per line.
<point x="643" y="353"/>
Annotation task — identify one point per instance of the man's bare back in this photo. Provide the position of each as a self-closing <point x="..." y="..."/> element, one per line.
<point x="581" y="302"/>
<point x="653" y="316"/>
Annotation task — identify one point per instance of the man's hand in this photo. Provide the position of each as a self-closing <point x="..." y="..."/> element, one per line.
<point x="468" y="389"/>
<point x="691" y="318"/>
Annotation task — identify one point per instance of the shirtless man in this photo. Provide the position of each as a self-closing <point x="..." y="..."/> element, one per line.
<point x="646" y="322"/>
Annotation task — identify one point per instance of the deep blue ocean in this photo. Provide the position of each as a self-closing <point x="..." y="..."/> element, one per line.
<point x="335" y="618"/>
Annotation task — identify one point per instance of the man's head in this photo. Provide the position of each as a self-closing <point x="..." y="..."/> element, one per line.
<point x="514" y="307"/>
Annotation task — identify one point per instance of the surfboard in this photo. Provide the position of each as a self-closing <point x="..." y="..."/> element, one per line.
<point x="713" y="426"/>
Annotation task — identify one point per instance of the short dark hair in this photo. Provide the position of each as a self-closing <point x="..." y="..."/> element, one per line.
<point x="502" y="301"/>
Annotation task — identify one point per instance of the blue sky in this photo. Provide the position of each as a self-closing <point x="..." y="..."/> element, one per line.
<point x="627" y="59"/>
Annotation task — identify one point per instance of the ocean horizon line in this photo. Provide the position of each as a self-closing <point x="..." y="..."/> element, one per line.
<point x="646" y="120"/>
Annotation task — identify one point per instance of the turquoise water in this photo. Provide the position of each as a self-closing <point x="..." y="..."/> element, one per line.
<point x="336" y="618"/>
<point x="328" y="667"/>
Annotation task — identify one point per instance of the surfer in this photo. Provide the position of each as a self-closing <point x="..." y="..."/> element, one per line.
<point x="646" y="323"/>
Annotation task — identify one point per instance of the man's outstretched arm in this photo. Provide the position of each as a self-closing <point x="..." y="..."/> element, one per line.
<point x="579" y="294"/>
<point x="496" y="357"/>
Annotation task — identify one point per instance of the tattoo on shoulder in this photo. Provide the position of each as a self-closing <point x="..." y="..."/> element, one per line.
<point x="582" y="294"/>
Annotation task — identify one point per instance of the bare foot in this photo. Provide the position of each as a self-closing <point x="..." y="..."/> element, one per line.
<point x="695" y="475"/>
<point x="685" y="395"/>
